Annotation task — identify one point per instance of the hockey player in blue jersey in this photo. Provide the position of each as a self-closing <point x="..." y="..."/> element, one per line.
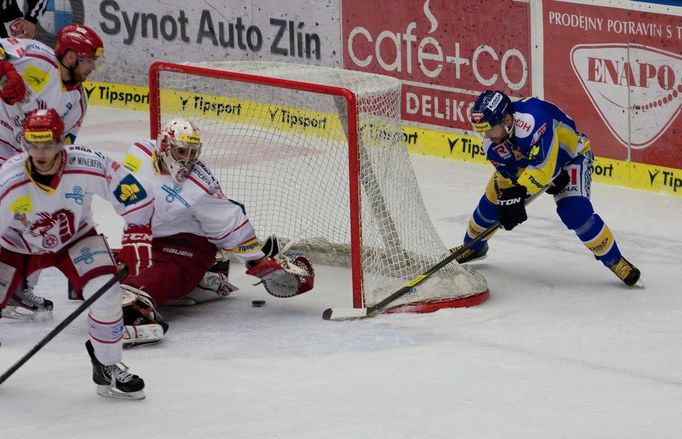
<point x="533" y="144"/>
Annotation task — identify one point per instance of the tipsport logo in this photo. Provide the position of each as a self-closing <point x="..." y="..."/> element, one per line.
<point x="626" y="81"/>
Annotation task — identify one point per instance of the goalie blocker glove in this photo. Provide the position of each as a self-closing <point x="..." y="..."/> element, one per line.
<point x="282" y="276"/>
<point x="511" y="207"/>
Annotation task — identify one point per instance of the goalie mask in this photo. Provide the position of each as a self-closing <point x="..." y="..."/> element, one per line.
<point x="178" y="148"/>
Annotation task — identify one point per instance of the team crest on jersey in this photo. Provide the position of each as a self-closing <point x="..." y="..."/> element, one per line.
<point x="53" y="227"/>
<point x="129" y="191"/>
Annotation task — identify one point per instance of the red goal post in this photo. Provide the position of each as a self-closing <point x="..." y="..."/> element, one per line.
<point x="317" y="154"/>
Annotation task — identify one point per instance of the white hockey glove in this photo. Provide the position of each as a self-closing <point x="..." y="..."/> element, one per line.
<point x="282" y="276"/>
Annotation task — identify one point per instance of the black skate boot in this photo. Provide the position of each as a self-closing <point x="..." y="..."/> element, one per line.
<point x="625" y="271"/>
<point x="471" y="255"/>
<point x="24" y="305"/>
<point x="114" y="381"/>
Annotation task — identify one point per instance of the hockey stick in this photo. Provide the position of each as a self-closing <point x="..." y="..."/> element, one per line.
<point x="123" y="272"/>
<point x="339" y="314"/>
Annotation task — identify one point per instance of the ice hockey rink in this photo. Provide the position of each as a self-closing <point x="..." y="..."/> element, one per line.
<point x="562" y="349"/>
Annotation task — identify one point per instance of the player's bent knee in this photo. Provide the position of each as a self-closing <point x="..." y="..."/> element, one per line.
<point x="574" y="211"/>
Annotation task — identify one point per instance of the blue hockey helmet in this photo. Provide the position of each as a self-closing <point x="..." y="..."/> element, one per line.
<point x="489" y="110"/>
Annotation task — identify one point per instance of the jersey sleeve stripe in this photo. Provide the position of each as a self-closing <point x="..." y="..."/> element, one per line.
<point x="143" y="148"/>
<point x="136" y="208"/>
<point x="44" y="58"/>
<point x="198" y="183"/>
<point x="232" y="231"/>
<point x="14" y="186"/>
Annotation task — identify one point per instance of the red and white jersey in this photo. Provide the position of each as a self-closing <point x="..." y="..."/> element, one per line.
<point x="36" y="219"/>
<point x="39" y="67"/>
<point x="196" y="206"/>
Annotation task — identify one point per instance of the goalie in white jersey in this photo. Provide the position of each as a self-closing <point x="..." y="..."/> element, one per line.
<point x="46" y="221"/>
<point x="33" y="76"/>
<point x="192" y="220"/>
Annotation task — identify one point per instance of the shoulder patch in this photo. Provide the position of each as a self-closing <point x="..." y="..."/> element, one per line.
<point x="129" y="191"/>
<point x="132" y="163"/>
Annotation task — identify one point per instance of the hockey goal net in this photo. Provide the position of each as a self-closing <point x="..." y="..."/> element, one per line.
<point x="318" y="155"/>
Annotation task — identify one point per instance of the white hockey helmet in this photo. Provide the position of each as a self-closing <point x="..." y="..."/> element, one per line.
<point x="179" y="146"/>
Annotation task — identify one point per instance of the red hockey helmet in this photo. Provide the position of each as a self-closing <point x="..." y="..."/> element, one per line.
<point x="81" y="39"/>
<point x="43" y="126"/>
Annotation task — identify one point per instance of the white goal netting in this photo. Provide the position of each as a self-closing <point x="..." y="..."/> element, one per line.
<point x="317" y="155"/>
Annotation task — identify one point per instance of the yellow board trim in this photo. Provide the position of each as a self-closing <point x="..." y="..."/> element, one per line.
<point x="462" y="145"/>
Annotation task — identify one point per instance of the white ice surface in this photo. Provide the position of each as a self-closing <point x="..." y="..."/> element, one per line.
<point x="561" y="349"/>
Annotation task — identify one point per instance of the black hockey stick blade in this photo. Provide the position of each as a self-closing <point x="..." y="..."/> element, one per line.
<point x="122" y="272"/>
<point x="340" y="314"/>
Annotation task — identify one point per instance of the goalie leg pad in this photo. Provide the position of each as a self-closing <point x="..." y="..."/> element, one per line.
<point x="143" y="323"/>
<point x="213" y="286"/>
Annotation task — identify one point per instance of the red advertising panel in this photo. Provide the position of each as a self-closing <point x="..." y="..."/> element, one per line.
<point x="619" y="74"/>
<point x="446" y="52"/>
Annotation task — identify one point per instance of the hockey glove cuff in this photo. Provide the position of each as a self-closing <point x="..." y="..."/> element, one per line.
<point x="511" y="208"/>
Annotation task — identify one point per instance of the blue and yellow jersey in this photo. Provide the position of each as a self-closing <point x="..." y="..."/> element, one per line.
<point x="544" y="140"/>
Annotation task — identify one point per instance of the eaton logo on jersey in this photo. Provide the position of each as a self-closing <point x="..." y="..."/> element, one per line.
<point x="129" y="191"/>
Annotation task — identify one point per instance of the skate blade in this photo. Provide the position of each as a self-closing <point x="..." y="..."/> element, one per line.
<point x="110" y="392"/>
<point x="16" y="313"/>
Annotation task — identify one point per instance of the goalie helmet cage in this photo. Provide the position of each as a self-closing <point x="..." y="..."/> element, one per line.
<point x="318" y="155"/>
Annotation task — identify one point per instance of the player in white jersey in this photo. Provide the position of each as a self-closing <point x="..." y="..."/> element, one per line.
<point x="192" y="220"/>
<point x="37" y="77"/>
<point x="46" y="221"/>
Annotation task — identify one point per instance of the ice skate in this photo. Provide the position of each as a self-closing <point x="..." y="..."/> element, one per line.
<point x="471" y="255"/>
<point x="626" y="272"/>
<point x="114" y="381"/>
<point x="24" y="305"/>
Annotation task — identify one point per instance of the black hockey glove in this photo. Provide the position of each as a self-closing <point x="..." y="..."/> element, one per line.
<point x="511" y="208"/>
<point x="559" y="183"/>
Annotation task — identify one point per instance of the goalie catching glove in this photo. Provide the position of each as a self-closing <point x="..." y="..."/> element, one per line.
<point x="282" y="276"/>
<point x="136" y="248"/>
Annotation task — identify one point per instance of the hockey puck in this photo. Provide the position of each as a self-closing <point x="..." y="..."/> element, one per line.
<point x="257" y="303"/>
